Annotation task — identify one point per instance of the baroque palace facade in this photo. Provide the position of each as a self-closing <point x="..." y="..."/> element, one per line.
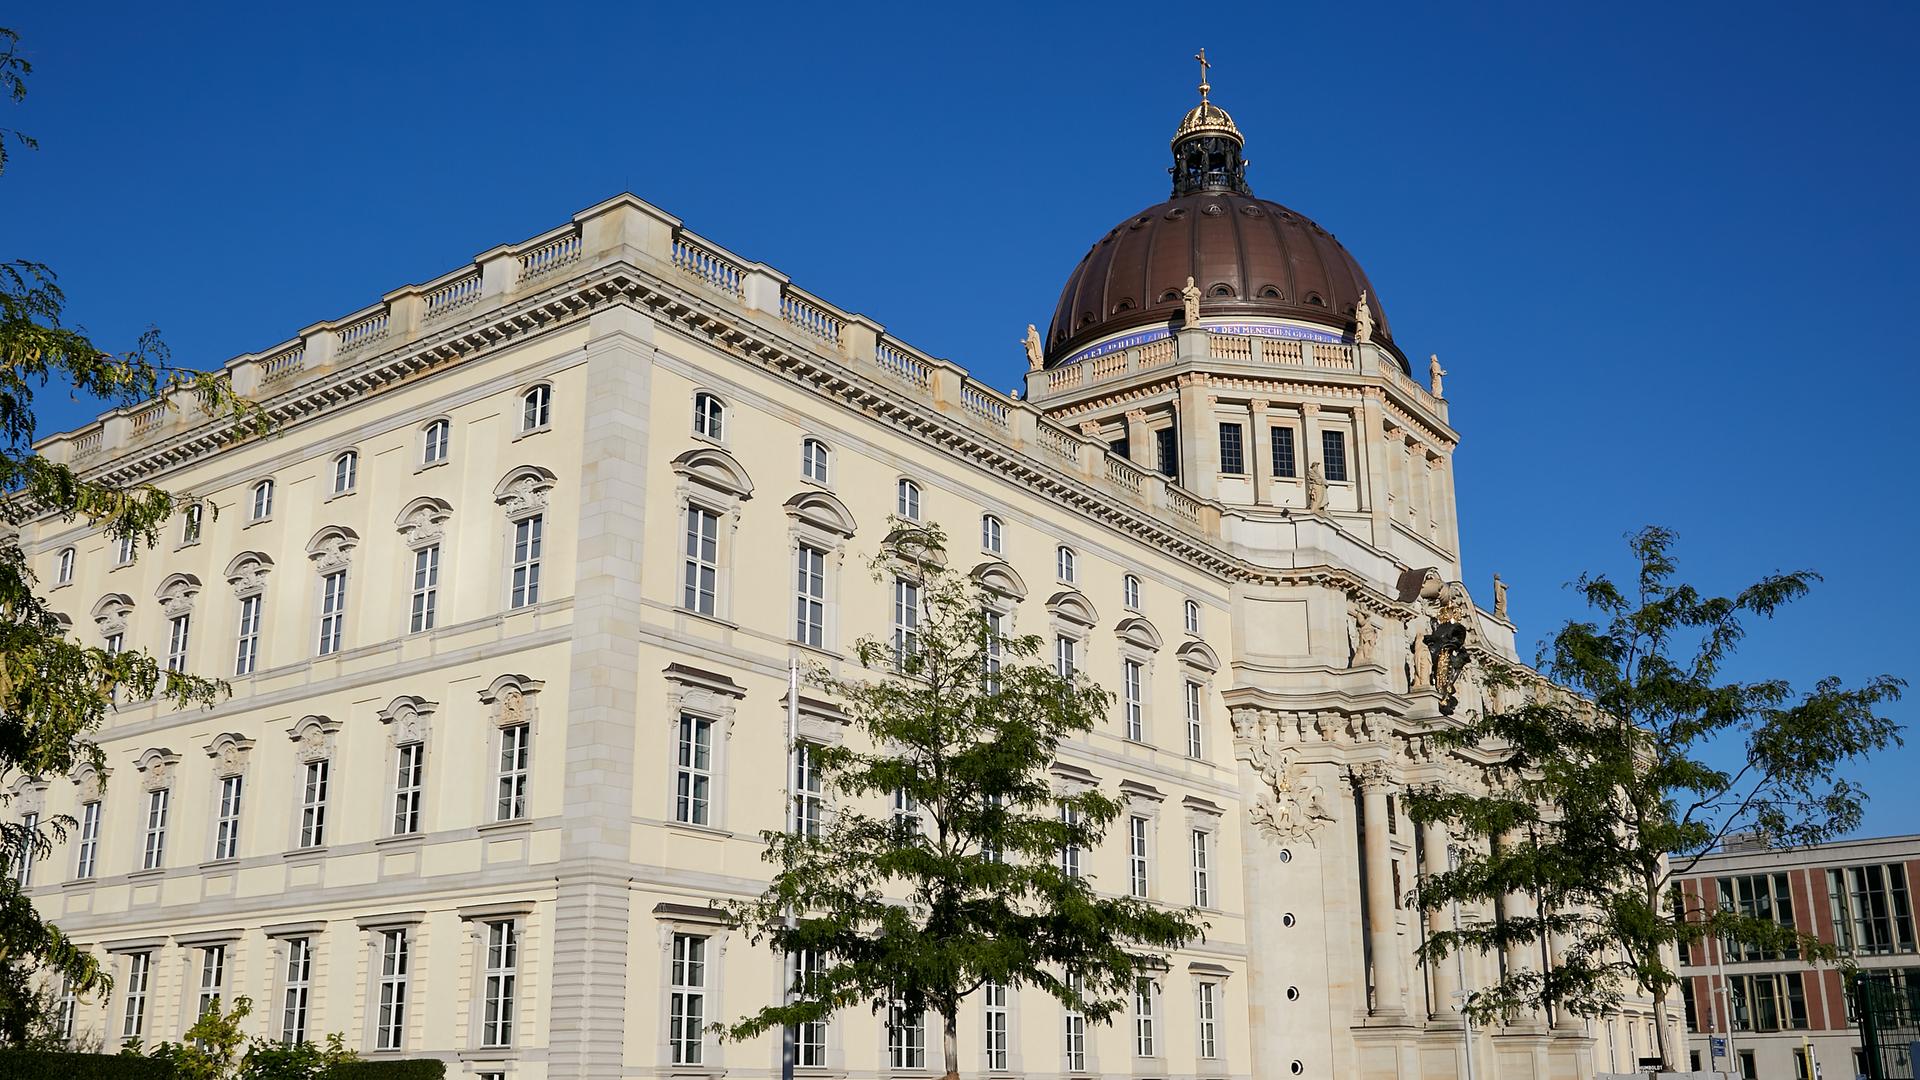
<point x="510" y="598"/>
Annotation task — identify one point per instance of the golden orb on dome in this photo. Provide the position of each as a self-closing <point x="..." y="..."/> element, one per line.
<point x="1204" y="119"/>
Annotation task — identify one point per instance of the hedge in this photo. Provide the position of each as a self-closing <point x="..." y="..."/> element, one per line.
<point x="43" y="1064"/>
<point x="404" y="1069"/>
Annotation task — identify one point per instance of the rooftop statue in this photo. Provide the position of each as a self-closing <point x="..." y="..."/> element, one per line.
<point x="1034" y="355"/>
<point x="1362" y="320"/>
<point x="1436" y="373"/>
<point x="1190" y="304"/>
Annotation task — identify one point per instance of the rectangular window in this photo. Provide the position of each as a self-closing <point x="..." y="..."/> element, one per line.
<point x="1333" y="449"/>
<point x="1207" y="1009"/>
<point x="702" y="560"/>
<point x="126" y="551"/>
<point x="906" y="815"/>
<point x="1757" y="896"/>
<point x="1233" y="457"/>
<point x="1871" y="908"/>
<point x="906" y="1039"/>
<point x="503" y="970"/>
<point x="226" y="835"/>
<point x="426" y="589"/>
<point x="695" y="781"/>
<point x="190" y="527"/>
<point x="808" y="799"/>
<point x="409" y="780"/>
<point x="116" y="642"/>
<point x="299" y="987"/>
<point x="333" y="612"/>
<point x="906" y="621"/>
<point x="1202" y="869"/>
<point x="1167" y="452"/>
<point x="1076" y="1032"/>
<point x="313" y="804"/>
<point x="995" y="646"/>
<point x="810" y="1038"/>
<point x="1144" y="1042"/>
<point x="1768" y="1002"/>
<point x="1070" y="851"/>
<point x="1194" y="722"/>
<point x="247" y="654"/>
<point x="154" y="852"/>
<point x="89" y="839"/>
<point x="1137" y="856"/>
<point x="68" y="1011"/>
<point x="997" y="1024"/>
<point x="1063" y="656"/>
<point x="1282" y="440"/>
<point x="1130" y="697"/>
<point x="139" y="968"/>
<point x="511" y="789"/>
<point x="390" y="1024"/>
<point x="23" y="859"/>
<point x="178" y="629"/>
<point x="687" y="1005"/>
<point x="213" y="977"/>
<point x="810" y="600"/>
<point x="527" y="541"/>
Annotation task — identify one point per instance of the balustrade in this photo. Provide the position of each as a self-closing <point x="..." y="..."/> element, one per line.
<point x="363" y="332"/>
<point x="454" y="295"/>
<point x="551" y="255"/>
<point x="810" y="317"/>
<point x="708" y="266"/>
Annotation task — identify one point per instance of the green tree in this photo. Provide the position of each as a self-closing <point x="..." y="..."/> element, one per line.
<point x="53" y="690"/>
<point x="960" y="878"/>
<point x="1603" y="789"/>
<point x="215" y="1048"/>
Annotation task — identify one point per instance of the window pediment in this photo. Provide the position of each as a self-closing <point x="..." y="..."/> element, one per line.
<point x="1073" y="606"/>
<point x="1197" y="654"/>
<point x="408" y="718"/>
<point x="524" y="491"/>
<point x="512" y="699"/>
<point x="247" y="573"/>
<point x="156" y="768"/>
<point x="423" y="521"/>
<point x="110" y="612"/>
<point x="1000" y="579"/>
<point x="230" y="752"/>
<point x="176" y="594"/>
<point x="822" y="511"/>
<point x="313" y="738"/>
<point x="331" y="547"/>
<point x="712" y="467"/>
<point x="1138" y="632"/>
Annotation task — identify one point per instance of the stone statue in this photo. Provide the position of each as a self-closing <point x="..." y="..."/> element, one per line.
<point x="1362" y="320"/>
<point x="1435" y="372"/>
<point x="1422" y="661"/>
<point x="1190" y="304"/>
<point x="1366" y="636"/>
<point x="1316" y="489"/>
<point x="1035" y="356"/>
<point x="1499" y="598"/>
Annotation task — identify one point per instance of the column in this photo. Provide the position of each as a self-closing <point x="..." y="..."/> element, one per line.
<point x="1383" y="930"/>
<point x="1522" y="955"/>
<point x="1445" y="973"/>
<point x="1140" y="444"/>
<point x="1199" y="436"/>
<point x="1260" y="461"/>
<point x="1416" y="508"/>
<point x="1310" y="438"/>
<point x="1378" y="451"/>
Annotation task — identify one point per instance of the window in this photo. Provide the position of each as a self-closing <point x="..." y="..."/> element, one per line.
<point x="1757" y="896"/>
<point x="313" y="804"/>
<point x="695" y="776"/>
<point x="436" y="439"/>
<point x="1333" y="448"/>
<point x="1130" y="697"/>
<point x="226" y="836"/>
<point x="1194" y="721"/>
<point x="89" y="839"/>
<point x="990" y="530"/>
<point x="526" y="561"/>
<point x="810" y="1038"/>
<point x="126" y="551"/>
<point x="906" y="815"/>
<point x="906" y="499"/>
<point x="115" y="642"/>
<point x="996" y="636"/>
<point x="23" y="859"/>
<point x="1144" y="1044"/>
<point x="709" y="416"/>
<point x="808" y="799"/>
<point x="816" y="461"/>
<point x="1233" y="457"/>
<point x="154" y="851"/>
<point x="535" y="406"/>
<point x="687" y="1006"/>
<point x="1190" y="617"/>
<point x="409" y="781"/>
<point x="1768" y="1002"/>
<point x="426" y="588"/>
<point x="996" y="1026"/>
<point x="906" y="1039"/>
<point x="177" y="633"/>
<point x="1198" y="842"/>
<point x="298" y="989"/>
<point x="1283" y="460"/>
<point x="503" y="969"/>
<point x="1070" y="850"/>
<point x="262" y="507"/>
<point x="333" y="612"/>
<point x="702" y="560"/>
<point x="1207" y="1010"/>
<point x="1076" y="1031"/>
<point x="346" y="470"/>
<point x="906" y="621"/>
<point x="1167" y="451"/>
<point x="64" y="576"/>
<point x="1063" y="656"/>
<point x="390" y="1025"/>
<point x="190" y="525"/>
<point x="1130" y="593"/>
<point x="246" y="655"/>
<point x="810" y="596"/>
<point x="1063" y="561"/>
<point x="1748" y="1070"/>
<point x="1871" y="909"/>
<point x="213" y="977"/>
<point x="68" y="1010"/>
<point x="511" y="787"/>
<point x="139" y="969"/>
<point x="1137" y="856"/>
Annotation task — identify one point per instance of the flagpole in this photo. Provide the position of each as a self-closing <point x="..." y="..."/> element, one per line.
<point x="789" y="1044"/>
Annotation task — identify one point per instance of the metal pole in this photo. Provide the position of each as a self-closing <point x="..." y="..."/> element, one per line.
<point x="789" y="1032"/>
<point x="1725" y="994"/>
<point x="1460" y="959"/>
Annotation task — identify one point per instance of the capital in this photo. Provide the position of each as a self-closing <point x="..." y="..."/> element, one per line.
<point x="1374" y="776"/>
<point x="1308" y="408"/>
<point x="1260" y="404"/>
<point x="1136" y="416"/>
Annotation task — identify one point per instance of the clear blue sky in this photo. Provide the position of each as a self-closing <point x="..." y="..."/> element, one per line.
<point x="1667" y="252"/>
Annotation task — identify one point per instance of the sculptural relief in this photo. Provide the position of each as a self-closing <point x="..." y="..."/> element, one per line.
<point x="1365" y="637"/>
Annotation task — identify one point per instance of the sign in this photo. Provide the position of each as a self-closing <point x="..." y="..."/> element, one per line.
<point x="1719" y="1047"/>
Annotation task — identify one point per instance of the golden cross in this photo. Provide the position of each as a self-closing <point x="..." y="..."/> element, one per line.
<point x="1202" y="57"/>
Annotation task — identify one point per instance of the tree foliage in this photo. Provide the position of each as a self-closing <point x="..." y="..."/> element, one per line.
<point x="959" y="727"/>
<point x="215" y="1048"/>
<point x="1603" y="788"/>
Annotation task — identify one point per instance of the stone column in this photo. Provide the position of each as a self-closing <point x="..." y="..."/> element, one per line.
<point x="1379" y="452"/>
<point x="1524" y="955"/>
<point x="1199" y="436"/>
<point x="1259" y="463"/>
<point x="1140" y="445"/>
<point x="1383" y="929"/>
<point x="1309" y="438"/>
<point x="1445" y="973"/>
<point x="1410" y="456"/>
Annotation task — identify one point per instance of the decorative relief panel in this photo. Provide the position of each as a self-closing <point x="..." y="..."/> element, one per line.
<point x="230" y="753"/>
<point x="313" y="738"/>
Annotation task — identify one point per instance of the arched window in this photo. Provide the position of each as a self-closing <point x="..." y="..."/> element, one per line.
<point x="1191" y="615"/>
<point x="1130" y="592"/>
<point x="346" y="471"/>
<point x="709" y="416"/>
<point x="436" y="442"/>
<point x="907" y="500"/>
<point x="535" y="408"/>
<point x="262" y="507"/>
<point x="816" y="461"/>
<point x="990" y="533"/>
<point x="1063" y="563"/>
<point x="65" y="576"/>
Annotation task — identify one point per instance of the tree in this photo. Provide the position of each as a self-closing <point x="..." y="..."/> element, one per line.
<point x="215" y="1048"/>
<point x="967" y="880"/>
<point x="53" y="690"/>
<point x="1602" y="789"/>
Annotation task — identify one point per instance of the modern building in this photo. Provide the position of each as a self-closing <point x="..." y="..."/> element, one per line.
<point x="510" y="598"/>
<point x="1769" y="1012"/>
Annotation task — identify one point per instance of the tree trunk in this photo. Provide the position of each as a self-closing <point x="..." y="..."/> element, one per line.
<point x="950" y="1042"/>
<point x="1660" y="1032"/>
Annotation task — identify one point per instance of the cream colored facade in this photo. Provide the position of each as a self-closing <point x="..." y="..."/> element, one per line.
<point x="1296" y="626"/>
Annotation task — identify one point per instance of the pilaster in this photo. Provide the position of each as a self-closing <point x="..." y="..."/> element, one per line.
<point x="1259" y="462"/>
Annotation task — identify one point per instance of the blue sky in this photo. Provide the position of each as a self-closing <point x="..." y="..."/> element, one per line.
<point x="1666" y="252"/>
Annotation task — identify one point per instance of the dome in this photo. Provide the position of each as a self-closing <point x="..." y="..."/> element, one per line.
<point x="1250" y="258"/>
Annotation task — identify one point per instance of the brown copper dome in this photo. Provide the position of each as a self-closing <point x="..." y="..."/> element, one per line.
<point x="1248" y="256"/>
